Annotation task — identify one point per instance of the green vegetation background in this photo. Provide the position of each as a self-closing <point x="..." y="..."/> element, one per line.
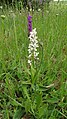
<point x="41" y="92"/>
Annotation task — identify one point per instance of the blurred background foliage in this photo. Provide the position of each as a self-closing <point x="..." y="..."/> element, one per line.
<point x="25" y="3"/>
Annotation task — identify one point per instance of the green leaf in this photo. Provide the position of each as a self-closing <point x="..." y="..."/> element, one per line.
<point x="41" y="111"/>
<point x="27" y="70"/>
<point x="38" y="100"/>
<point x="62" y="104"/>
<point x="14" y="102"/>
<point x="25" y="91"/>
<point x="53" y="100"/>
<point x="27" y="105"/>
<point x="33" y="71"/>
<point x="9" y="85"/>
<point x="18" y="113"/>
<point x="26" y="83"/>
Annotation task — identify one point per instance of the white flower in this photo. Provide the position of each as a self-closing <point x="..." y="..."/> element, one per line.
<point x="36" y="54"/>
<point x="30" y="10"/>
<point x="33" y="33"/>
<point x="29" y="62"/>
<point x="57" y="14"/>
<point x="39" y="10"/>
<point x="32" y="48"/>
<point x="1" y="7"/>
<point x="33" y="10"/>
<point x="3" y="16"/>
<point x="29" y="56"/>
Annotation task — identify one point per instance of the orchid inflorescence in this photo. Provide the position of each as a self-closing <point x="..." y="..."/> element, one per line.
<point x="33" y="47"/>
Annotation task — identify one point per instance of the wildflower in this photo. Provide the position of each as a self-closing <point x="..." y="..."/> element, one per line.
<point x="29" y="24"/>
<point x="1" y="7"/>
<point x="29" y="62"/>
<point x="32" y="48"/>
<point x="3" y="16"/>
<point x="30" y="9"/>
<point x="57" y="14"/>
<point x="39" y="10"/>
<point x="33" y="9"/>
<point x="27" y="8"/>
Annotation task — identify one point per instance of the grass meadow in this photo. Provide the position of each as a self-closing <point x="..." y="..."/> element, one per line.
<point x="38" y="92"/>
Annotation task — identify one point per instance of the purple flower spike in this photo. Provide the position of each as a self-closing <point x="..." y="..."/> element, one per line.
<point x="29" y="24"/>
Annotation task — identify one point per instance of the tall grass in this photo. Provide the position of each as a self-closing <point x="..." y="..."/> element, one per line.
<point x="34" y="93"/>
